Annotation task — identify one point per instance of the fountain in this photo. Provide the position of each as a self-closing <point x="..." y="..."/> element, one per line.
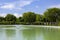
<point x="18" y="33"/>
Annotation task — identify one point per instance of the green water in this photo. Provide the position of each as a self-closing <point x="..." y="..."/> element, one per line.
<point x="28" y="33"/>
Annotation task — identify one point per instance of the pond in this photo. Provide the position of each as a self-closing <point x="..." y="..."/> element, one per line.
<point x="28" y="32"/>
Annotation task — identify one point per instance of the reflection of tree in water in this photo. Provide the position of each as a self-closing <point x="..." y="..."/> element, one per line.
<point x="32" y="34"/>
<point x="51" y="34"/>
<point x="10" y="32"/>
<point x="37" y="33"/>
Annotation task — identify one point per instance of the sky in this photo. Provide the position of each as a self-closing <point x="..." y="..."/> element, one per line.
<point x="18" y="7"/>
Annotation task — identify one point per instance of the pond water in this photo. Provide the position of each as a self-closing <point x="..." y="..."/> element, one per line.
<point x="26" y="32"/>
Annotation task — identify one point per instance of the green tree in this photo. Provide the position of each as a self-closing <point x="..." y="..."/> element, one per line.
<point x="29" y="17"/>
<point x="44" y="19"/>
<point x="52" y="14"/>
<point x="10" y="17"/>
<point x="1" y="19"/>
<point x="21" y="19"/>
<point x="38" y="18"/>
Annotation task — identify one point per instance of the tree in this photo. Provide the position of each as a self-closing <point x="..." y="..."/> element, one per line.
<point x="29" y="17"/>
<point x="52" y="14"/>
<point x="44" y="19"/>
<point x="38" y="17"/>
<point x="1" y="19"/>
<point x="21" y="19"/>
<point x="10" y="17"/>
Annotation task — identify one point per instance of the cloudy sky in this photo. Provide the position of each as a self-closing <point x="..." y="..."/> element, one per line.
<point x="18" y="7"/>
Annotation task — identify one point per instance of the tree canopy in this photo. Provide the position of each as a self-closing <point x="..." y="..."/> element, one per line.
<point x="29" y="17"/>
<point x="10" y="17"/>
<point x="1" y="19"/>
<point x="38" y="18"/>
<point x="52" y="14"/>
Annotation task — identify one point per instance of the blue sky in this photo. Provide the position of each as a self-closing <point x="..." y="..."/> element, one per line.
<point x="18" y="7"/>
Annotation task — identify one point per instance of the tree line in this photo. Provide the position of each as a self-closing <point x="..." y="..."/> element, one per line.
<point x="51" y="15"/>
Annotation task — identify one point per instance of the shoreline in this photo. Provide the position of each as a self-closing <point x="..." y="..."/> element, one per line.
<point x="34" y="26"/>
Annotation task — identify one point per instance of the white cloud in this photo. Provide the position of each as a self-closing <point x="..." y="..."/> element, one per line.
<point x="24" y="3"/>
<point x="17" y="15"/>
<point x="16" y="5"/>
<point x="3" y="14"/>
<point x="8" y="6"/>
<point x="56" y="6"/>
